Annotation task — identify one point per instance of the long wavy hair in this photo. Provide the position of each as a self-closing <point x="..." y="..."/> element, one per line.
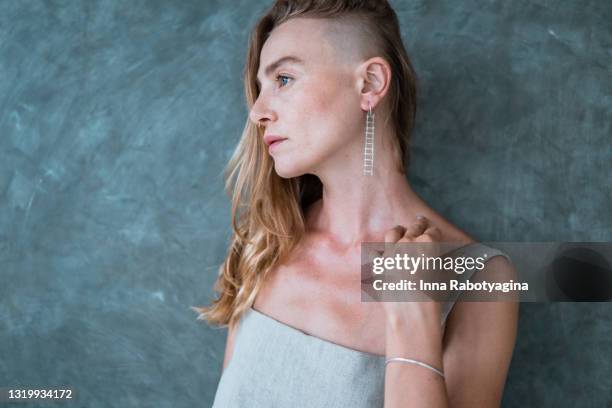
<point x="268" y="210"/>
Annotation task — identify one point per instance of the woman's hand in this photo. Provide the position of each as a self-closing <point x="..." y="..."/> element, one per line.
<point x="426" y="311"/>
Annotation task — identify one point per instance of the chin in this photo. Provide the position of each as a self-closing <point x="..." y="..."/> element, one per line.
<point x="288" y="171"/>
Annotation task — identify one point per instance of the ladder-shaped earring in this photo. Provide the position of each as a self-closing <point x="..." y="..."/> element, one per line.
<point x="368" y="148"/>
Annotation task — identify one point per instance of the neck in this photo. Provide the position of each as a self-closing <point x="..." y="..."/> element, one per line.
<point x="357" y="208"/>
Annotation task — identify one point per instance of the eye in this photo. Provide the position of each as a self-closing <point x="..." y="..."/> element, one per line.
<point x="282" y="77"/>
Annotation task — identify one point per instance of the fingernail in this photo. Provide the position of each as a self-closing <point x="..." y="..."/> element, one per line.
<point x="420" y="217"/>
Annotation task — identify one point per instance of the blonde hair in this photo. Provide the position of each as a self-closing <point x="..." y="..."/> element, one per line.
<point x="267" y="210"/>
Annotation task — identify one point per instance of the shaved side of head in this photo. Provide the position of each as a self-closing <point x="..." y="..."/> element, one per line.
<point x="351" y="39"/>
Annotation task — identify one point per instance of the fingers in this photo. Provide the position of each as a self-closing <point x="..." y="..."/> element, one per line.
<point x="420" y="230"/>
<point x="433" y="233"/>
<point x="395" y="234"/>
<point x="417" y="228"/>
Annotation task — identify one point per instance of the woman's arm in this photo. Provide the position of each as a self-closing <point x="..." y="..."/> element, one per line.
<point x="474" y="353"/>
<point x="478" y="345"/>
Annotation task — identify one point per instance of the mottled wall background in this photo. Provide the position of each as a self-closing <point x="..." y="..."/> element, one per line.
<point x="117" y="118"/>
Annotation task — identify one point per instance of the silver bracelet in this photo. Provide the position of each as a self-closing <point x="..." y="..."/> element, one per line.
<point x="411" y="361"/>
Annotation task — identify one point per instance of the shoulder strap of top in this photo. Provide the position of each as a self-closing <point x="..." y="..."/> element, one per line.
<point x="477" y="249"/>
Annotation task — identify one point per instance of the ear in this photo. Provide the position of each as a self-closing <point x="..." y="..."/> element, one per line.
<point x="374" y="77"/>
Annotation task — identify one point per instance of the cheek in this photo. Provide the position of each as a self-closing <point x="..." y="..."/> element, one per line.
<point x="337" y="115"/>
<point x="330" y="98"/>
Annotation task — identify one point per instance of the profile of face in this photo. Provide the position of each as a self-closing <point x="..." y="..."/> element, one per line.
<point x="316" y="98"/>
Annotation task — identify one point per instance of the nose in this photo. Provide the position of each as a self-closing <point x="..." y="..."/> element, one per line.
<point x="260" y="114"/>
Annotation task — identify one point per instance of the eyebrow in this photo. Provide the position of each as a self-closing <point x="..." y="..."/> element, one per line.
<point x="284" y="60"/>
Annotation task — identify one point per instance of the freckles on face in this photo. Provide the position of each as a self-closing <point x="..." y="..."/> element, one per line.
<point x="319" y="109"/>
<point x="313" y="114"/>
<point x="313" y="106"/>
<point x="334" y="106"/>
<point x="321" y="117"/>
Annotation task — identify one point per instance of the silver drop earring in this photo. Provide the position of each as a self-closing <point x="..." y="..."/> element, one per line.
<point x="368" y="148"/>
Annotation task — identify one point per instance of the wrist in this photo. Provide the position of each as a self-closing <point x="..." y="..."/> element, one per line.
<point x="426" y="330"/>
<point x="419" y="338"/>
<point x="414" y="320"/>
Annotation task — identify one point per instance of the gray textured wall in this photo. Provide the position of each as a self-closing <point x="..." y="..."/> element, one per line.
<point x="117" y="117"/>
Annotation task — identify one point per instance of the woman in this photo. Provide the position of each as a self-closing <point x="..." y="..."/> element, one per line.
<point x="320" y="169"/>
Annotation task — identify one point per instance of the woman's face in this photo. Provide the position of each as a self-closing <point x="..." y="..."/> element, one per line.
<point x="311" y="98"/>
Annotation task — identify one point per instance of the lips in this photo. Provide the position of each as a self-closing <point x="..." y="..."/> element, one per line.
<point x="273" y="139"/>
<point x="276" y="142"/>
